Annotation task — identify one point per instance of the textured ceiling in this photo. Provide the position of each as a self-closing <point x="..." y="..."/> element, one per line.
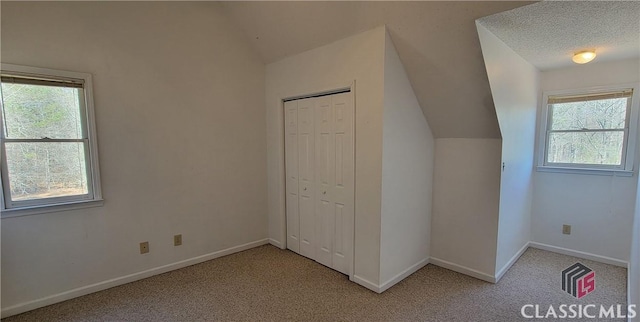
<point x="437" y="43"/>
<point x="548" y="33"/>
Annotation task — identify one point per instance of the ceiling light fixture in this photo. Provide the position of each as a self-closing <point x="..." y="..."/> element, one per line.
<point x="584" y="56"/>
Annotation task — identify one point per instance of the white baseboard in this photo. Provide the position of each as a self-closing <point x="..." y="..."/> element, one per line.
<point x="366" y="283"/>
<point x="579" y="254"/>
<point x="462" y="270"/>
<point x="392" y="281"/>
<point x="63" y="296"/>
<point x="404" y="274"/>
<point x="275" y="243"/>
<point x="512" y="261"/>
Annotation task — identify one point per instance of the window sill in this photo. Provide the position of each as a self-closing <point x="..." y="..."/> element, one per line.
<point x="596" y="172"/>
<point x="36" y="210"/>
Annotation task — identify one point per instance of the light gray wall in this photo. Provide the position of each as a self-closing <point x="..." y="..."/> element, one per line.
<point x="466" y="197"/>
<point x="514" y="85"/>
<point x="179" y="100"/>
<point x="599" y="208"/>
<point x="634" y="263"/>
<point x="359" y="58"/>
<point x="407" y="174"/>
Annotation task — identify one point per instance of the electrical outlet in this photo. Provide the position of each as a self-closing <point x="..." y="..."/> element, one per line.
<point x="177" y="240"/>
<point x="144" y="247"/>
<point x="566" y="229"/>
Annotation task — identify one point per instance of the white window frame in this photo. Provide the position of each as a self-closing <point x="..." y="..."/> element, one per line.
<point x="629" y="144"/>
<point x="93" y="198"/>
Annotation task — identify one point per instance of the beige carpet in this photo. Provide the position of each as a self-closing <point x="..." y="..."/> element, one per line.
<point x="269" y="284"/>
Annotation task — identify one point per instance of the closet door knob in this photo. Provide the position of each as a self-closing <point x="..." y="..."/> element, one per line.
<point x="305" y="189"/>
<point x="324" y="192"/>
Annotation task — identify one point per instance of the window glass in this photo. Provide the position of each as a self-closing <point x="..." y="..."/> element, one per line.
<point x="46" y="170"/>
<point x="36" y="111"/>
<point x="586" y="147"/>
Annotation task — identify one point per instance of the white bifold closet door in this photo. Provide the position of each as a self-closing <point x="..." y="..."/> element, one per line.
<point x="319" y="155"/>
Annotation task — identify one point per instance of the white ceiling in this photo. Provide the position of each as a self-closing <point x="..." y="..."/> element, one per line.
<point x="437" y="43"/>
<point x="548" y="33"/>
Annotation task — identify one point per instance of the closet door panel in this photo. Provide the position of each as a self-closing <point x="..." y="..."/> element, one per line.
<point x="306" y="182"/>
<point x="343" y="181"/>
<point x="325" y="165"/>
<point x="339" y="255"/>
<point x="291" y="172"/>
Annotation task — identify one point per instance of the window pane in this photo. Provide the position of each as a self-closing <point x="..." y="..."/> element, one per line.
<point x="35" y="112"/>
<point x="598" y="114"/>
<point x="604" y="148"/>
<point x="45" y="170"/>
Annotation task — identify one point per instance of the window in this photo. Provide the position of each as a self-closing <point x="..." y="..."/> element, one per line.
<point x="589" y="130"/>
<point x="49" y="153"/>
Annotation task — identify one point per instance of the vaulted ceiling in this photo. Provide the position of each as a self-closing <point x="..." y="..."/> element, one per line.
<point x="437" y="43"/>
